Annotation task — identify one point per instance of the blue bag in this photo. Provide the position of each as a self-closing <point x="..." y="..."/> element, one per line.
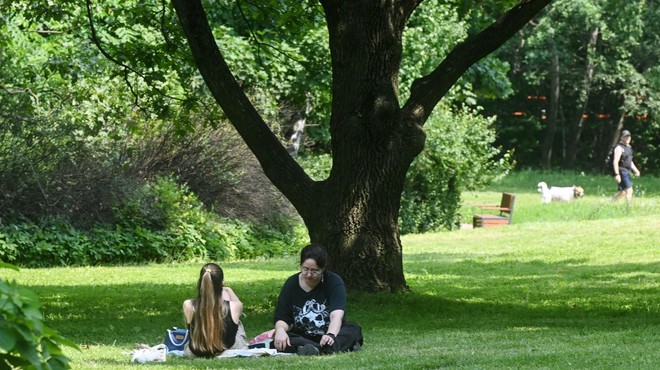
<point x="176" y="339"/>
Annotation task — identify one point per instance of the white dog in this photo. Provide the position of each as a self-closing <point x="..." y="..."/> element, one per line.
<point x="554" y="193"/>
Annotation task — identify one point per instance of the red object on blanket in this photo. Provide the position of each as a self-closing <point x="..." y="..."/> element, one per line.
<point x="263" y="337"/>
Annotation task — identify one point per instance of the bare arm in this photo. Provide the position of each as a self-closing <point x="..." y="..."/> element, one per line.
<point x="281" y="337"/>
<point x="635" y="170"/>
<point x="188" y="310"/>
<point x="235" y="304"/>
<point x="336" y="318"/>
<point x="615" y="163"/>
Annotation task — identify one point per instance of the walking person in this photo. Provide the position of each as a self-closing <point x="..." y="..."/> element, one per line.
<point x="623" y="166"/>
<point x="310" y="315"/>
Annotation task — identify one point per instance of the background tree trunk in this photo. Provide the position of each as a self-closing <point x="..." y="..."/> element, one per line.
<point x="298" y="128"/>
<point x="576" y="129"/>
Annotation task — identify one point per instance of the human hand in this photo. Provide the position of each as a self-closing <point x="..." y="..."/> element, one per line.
<point x="281" y="339"/>
<point x="327" y="340"/>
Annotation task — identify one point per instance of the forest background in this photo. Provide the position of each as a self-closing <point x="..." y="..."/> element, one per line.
<point x="113" y="152"/>
<point x="110" y="139"/>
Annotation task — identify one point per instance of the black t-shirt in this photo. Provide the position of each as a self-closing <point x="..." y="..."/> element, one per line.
<point x="308" y="313"/>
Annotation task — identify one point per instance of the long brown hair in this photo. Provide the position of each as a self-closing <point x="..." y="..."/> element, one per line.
<point x="209" y="309"/>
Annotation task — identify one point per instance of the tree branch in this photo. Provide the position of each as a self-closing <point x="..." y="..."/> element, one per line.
<point x="126" y="68"/>
<point x="427" y="91"/>
<point x="265" y="46"/>
<point x="279" y="167"/>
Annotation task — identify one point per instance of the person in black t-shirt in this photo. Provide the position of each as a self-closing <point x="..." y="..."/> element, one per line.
<point x="310" y="314"/>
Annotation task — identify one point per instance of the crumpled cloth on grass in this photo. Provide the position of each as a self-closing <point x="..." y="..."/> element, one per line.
<point x="143" y="355"/>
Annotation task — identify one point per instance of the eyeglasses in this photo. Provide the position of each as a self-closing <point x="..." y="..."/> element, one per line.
<point x="314" y="272"/>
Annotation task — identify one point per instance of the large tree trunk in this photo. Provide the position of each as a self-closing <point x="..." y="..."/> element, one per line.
<point x="356" y="218"/>
<point x="354" y="212"/>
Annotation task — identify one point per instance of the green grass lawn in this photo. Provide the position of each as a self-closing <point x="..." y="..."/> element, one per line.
<point x="566" y="286"/>
<point x="595" y="205"/>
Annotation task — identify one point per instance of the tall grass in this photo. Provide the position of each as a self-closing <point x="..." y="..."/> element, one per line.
<point x="576" y="292"/>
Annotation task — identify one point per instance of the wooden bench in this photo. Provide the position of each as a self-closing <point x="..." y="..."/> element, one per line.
<point x="492" y="220"/>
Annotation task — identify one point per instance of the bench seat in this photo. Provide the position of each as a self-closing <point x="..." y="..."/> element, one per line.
<point x="490" y="220"/>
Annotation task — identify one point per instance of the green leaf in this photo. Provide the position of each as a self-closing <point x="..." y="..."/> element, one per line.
<point x="29" y="352"/>
<point x="8" y="266"/>
<point x="7" y="340"/>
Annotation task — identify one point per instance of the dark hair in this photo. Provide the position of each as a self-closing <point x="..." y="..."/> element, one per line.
<point x="316" y="252"/>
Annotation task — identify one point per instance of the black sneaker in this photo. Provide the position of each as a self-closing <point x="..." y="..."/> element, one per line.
<point x="308" y="350"/>
<point x="356" y="347"/>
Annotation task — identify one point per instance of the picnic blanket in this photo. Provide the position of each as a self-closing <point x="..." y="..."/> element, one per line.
<point x="253" y="352"/>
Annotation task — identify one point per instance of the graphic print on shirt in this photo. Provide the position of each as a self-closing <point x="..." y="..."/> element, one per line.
<point x="313" y="319"/>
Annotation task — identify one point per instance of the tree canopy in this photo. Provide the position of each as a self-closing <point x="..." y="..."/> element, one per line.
<point x="373" y="71"/>
<point x="374" y="138"/>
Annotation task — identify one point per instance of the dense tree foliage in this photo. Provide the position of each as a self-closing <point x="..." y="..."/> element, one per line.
<point x="107" y="93"/>
<point x="584" y="71"/>
<point x="105" y="139"/>
<point x="121" y="44"/>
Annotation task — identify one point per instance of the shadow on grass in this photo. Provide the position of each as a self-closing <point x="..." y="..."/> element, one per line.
<point x="466" y="295"/>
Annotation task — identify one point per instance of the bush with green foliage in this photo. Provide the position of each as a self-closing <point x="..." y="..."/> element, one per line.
<point x="25" y="341"/>
<point x="59" y="244"/>
<point x="458" y="156"/>
<point x="160" y="222"/>
<point x="317" y="166"/>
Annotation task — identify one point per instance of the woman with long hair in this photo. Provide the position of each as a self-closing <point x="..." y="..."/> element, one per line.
<point x="213" y="318"/>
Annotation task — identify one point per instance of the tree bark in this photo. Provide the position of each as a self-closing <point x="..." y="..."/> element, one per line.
<point x="354" y="212"/>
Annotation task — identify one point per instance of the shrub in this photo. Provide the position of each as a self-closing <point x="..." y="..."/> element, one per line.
<point x="45" y="245"/>
<point x="458" y="156"/>
<point x="54" y="242"/>
<point x="60" y="173"/>
<point x="160" y="222"/>
<point x="25" y="341"/>
<point x="317" y="167"/>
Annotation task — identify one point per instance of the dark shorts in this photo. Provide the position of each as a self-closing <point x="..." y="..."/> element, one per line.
<point x="625" y="181"/>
